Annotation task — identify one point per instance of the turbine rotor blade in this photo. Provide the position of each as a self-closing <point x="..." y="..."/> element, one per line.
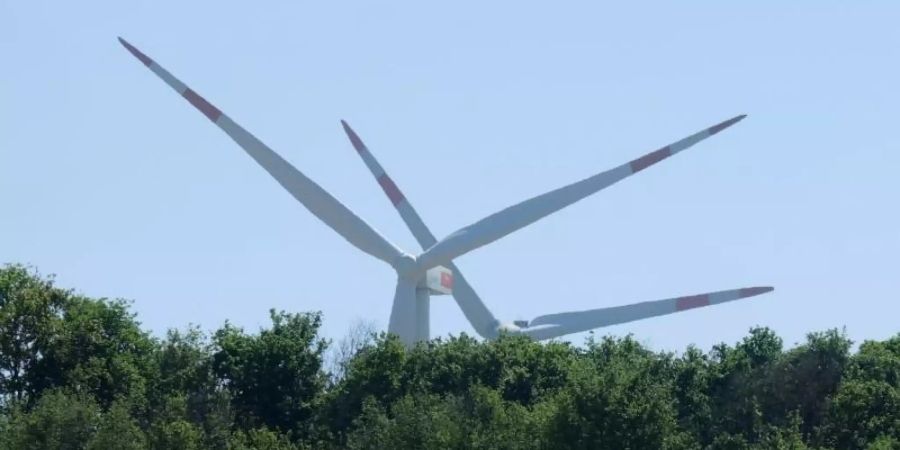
<point x="476" y="312"/>
<point x="318" y="201"/>
<point x="409" y="215"/>
<point x="555" y="325"/>
<point x="515" y="217"/>
<point x="479" y="316"/>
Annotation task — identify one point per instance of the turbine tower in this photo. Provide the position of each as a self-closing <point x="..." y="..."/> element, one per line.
<point x="433" y="271"/>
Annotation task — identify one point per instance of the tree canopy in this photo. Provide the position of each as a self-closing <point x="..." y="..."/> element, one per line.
<point x="80" y="373"/>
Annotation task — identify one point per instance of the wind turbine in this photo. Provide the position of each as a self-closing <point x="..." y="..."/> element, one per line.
<point x="430" y="271"/>
<point x="546" y="326"/>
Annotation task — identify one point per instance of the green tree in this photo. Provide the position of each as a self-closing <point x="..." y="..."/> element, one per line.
<point x="528" y="370"/>
<point x="615" y="406"/>
<point x="30" y="306"/>
<point x="495" y="423"/>
<point x="692" y="374"/>
<point x="172" y="429"/>
<point x="739" y="384"/>
<point x="884" y="443"/>
<point x="787" y="437"/>
<point x="377" y="374"/>
<point x="79" y="373"/>
<point x="118" y="430"/>
<point x="275" y="377"/>
<point x="862" y="411"/>
<point x="420" y="421"/>
<point x="183" y="367"/>
<point x="877" y="361"/>
<point x="807" y="377"/>
<point x="261" y="439"/>
<point x="98" y="348"/>
<point x="58" y="421"/>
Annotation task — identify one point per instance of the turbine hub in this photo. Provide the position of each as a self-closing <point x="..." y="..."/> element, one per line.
<point x="407" y="267"/>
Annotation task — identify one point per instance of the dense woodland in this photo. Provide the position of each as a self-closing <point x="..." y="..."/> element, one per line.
<point x="80" y="373"/>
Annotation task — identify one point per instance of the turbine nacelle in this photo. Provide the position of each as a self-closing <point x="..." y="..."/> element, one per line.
<point x="439" y="281"/>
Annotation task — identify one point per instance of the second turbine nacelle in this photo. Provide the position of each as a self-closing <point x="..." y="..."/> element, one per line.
<point x="438" y="280"/>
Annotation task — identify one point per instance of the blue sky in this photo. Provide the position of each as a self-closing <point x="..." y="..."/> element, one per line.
<point x="111" y="181"/>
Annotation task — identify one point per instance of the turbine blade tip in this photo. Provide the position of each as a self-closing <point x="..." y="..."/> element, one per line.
<point x="137" y="53"/>
<point x="752" y="291"/>
<point x="721" y="126"/>
<point x="354" y="138"/>
<point x="347" y="128"/>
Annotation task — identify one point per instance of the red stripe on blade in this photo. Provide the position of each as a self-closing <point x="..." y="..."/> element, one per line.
<point x="693" y="301"/>
<point x="137" y="53"/>
<point x="391" y="189"/>
<point x="650" y="159"/>
<point x="204" y="106"/>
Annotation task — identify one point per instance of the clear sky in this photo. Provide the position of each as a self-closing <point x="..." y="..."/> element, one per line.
<point x="111" y="181"/>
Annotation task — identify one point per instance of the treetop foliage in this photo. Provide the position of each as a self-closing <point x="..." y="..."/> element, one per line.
<point x="80" y="373"/>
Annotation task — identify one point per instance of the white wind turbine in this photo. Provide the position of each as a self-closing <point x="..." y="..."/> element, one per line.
<point x="420" y="275"/>
<point x="551" y="325"/>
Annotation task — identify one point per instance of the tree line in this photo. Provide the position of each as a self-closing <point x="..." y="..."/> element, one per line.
<point x="80" y="373"/>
